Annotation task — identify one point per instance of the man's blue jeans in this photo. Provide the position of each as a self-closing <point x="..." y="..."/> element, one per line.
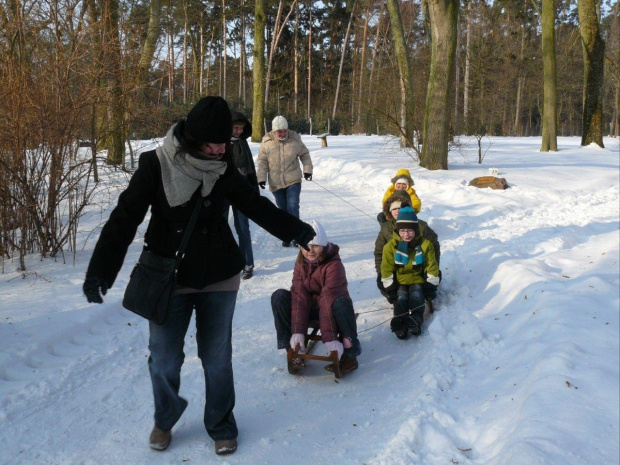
<point x="214" y="314"/>
<point x="242" y="226"/>
<point x="287" y="199"/>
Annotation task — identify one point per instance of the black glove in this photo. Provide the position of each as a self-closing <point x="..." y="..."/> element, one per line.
<point x="391" y="298"/>
<point x="305" y="236"/>
<point x="93" y="288"/>
<point x="308" y="176"/>
<point x="392" y="288"/>
<point x="262" y="184"/>
<point x="380" y="286"/>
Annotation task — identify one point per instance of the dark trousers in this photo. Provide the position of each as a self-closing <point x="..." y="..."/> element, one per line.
<point x="410" y="299"/>
<point x="343" y="312"/>
<point x="214" y="314"/>
<point x="242" y="228"/>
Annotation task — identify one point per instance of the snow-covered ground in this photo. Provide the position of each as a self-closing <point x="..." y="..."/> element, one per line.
<point x="518" y="365"/>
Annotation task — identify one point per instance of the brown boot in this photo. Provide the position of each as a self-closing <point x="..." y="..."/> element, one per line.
<point x="225" y="446"/>
<point x="160" y="439"/>
<point x="346" y="365"/>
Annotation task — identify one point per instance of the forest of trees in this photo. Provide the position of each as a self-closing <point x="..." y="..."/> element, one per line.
<point x="109" y="71"/>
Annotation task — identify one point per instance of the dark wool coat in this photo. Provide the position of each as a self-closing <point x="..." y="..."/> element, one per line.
<point x="241" y="153"/>
<point x="212" y="254"/>
<point x="317" y="286"/>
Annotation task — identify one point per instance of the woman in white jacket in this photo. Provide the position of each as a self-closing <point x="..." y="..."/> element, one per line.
<point x="279" y="158"/>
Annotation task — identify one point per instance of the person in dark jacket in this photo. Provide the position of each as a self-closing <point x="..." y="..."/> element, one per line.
<point x="193" y="165"/>
<point x="242" y="159"/>
<point x="319" y="292"/>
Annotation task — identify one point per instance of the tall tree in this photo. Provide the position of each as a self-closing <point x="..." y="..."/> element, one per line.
<point x="443" y="20"/>
<point x="550" y="92"/>
<point x="258" y="110"/>
<point x="115" y="135"/>
<point x="150" y="44"/>
<point x="593" y="71"/>
<point x="406" y="81"/>
<point x="344" y="51"/>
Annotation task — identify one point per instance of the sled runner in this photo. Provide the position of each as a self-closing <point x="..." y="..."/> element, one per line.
<point x="295" y="359"/>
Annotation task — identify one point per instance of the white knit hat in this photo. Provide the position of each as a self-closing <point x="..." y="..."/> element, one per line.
<point x="402" y="180"/>
<point x="279" y="122"/>
<point x="321" y="237"/>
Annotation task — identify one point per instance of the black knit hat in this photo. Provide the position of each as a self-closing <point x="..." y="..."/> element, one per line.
<point x="210" y="121"/>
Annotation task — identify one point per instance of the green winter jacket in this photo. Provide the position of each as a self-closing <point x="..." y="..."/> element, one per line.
<point x="409" y="273"/>
<point x="387" y="232"/>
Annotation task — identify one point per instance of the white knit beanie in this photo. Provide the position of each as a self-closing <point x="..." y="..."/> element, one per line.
<point x="279" y="122"/>
<point x="321" y="237"/>
<point x="402" y="180"/>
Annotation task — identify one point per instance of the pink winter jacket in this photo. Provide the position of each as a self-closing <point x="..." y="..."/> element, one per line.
<point x="317" y="286"/>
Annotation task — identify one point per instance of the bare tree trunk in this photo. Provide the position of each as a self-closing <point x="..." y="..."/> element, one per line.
<point x="309" y="58"/>
<point x="593" y="70"/>
<point x="457" y="78"/>
<point x="258" y="111"/>
<point x="360" y="91"/>
<point x="242" y="56"/>
<point x="275" y="38"/>
<point x="185" y="54"/>
<point x="549" y="120"/>
<point x="516" y="127"/>
<point x="467" y="65"/>
<point x="170" y="69"/>
<point x="443" y="17"/>
<point x="374" y="53"/>
<point x="296" y="64"/>
<point x="225" y="54"/>
<point x="406" y="81"/>
<point x="344" y="51"/>
<point x="210" y="58"/>
<point x="202" y="57"/>
<point x="115" y="140"/>
<point x="150" y="43"/>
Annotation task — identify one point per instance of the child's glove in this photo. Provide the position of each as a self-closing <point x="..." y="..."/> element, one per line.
<point x="300" y="339"/>
<point x="392" y="288"/>
<point x="434" y="280"/>
<point x="335" y="345"/>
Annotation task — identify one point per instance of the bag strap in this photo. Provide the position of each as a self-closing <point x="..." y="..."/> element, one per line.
<point x="188" y="232"/>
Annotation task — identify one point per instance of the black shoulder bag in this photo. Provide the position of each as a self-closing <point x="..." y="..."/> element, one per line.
<point x="154" y="278"/>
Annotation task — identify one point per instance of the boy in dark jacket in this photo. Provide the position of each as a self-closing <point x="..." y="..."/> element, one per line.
<point x="242" y="159"/>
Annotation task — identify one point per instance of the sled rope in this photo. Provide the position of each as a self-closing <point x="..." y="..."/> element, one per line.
<point x="348" y="203"/>
<point x="389" y="319"/>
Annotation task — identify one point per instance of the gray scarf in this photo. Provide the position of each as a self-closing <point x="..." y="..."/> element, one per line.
<point x="182" y="174"/>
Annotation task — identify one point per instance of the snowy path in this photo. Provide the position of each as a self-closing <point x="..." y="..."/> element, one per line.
<point x="526" y="331"/>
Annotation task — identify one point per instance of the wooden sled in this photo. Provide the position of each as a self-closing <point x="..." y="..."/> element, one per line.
<point x="312" y="338"/>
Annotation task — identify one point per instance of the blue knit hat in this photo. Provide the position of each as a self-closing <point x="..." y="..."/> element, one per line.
<point x="407" y="219"/>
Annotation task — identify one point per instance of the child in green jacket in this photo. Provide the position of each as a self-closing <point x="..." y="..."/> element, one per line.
<point x="408" y="263"/>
